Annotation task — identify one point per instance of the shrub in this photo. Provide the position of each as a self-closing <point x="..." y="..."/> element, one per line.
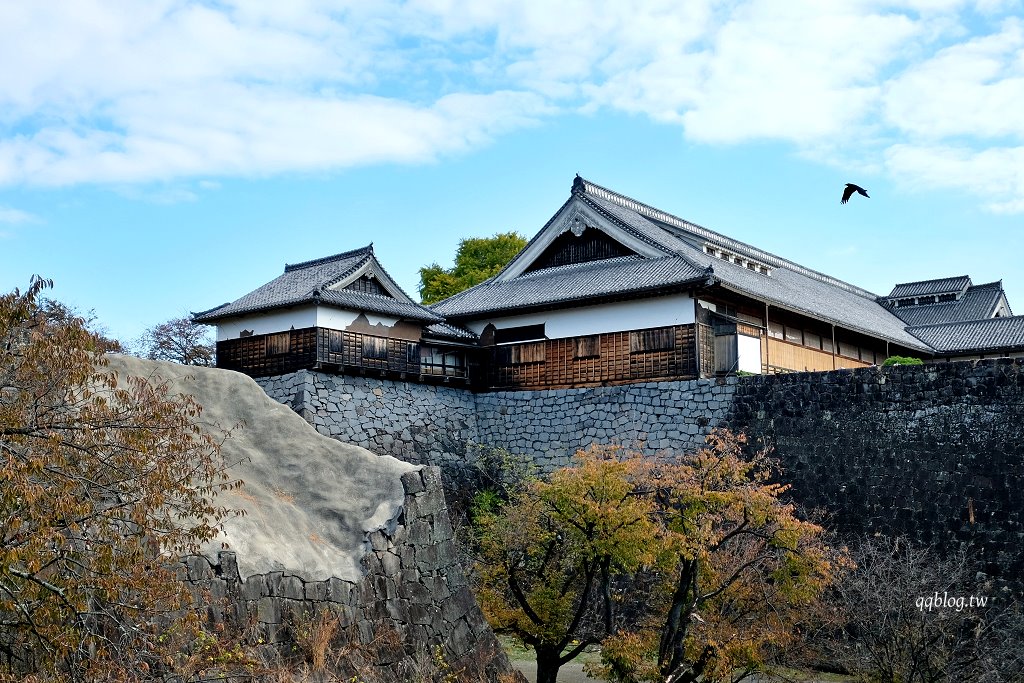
<point x="903" y="360"/>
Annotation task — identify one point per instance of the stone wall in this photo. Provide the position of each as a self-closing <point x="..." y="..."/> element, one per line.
<point x="411" y="616"/>
<point x="933" y="452"/>
<point x="550" y="426"/>
<point x="418" y="423"/>
<point x="427" y="424"/>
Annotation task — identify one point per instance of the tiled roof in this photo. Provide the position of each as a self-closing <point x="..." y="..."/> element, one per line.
<point x="576" y="282"/>
<point x="789" y="286"/>
<point x="793" y="290"/>
<point x="977" y="303"/>
<point x="974" y="335"/>
<point x="450" y="331"/>
<point x="946" y="285"/>
<point x="310" y="282"/>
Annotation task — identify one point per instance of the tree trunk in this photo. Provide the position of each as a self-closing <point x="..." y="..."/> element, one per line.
<point x="547" y="664"/>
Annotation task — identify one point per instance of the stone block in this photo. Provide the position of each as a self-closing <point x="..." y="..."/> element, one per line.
<point x="268" y="610"/>
<point x="254" y="587"/>
<point x="198" y="568"/>
<point x="316" y="591"/>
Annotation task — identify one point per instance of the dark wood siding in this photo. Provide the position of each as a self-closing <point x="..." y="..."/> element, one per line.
<point x="339" y="351"/>
<point x="621" y="357"/>
<point x="592" y="245"/>
<point x="269" y="354"/>
<point x="368" y="285"/>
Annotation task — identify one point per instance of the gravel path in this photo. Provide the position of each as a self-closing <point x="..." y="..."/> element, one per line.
<point x="568" y="673"/>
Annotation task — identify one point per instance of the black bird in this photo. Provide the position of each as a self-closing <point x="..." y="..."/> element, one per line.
<point x="850" y="189"/>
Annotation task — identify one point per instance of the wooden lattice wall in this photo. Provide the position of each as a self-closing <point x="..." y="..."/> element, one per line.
<point x="610" y="358"/>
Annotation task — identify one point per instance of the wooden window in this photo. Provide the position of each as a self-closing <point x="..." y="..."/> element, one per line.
<point x="375" y="348"/>
<point x="867" y="355"/>
<point x="277" y="344"/>
<point x="528" y="353"/>
<point x="848" y="350"/>
<point x="826" y="344"/>
<point x="335" y="342"/>
<point x="812" y="340"/>
<point x="659" y="339"/>
<point x="747" y="318"/>
<point x="588" y="347"/>
<point x="412" y="353"/>
<point x="776" y="330"/>
<point x="794" y="334"/>
<point x="512" y="335"/>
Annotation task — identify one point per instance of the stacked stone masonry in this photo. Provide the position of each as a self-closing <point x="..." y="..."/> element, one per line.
<point x="436" y="425"/>
<point x="412" y="600"/>
<point x="935" y="451"/>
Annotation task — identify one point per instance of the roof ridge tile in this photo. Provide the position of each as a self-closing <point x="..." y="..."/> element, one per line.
<point x="361" y="251"/>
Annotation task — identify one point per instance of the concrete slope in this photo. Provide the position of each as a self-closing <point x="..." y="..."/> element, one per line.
<point x="309" y="500"/>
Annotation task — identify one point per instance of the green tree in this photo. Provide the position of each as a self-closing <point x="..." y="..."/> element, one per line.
<point x="477" y="259"/>
<point x="105" y="483"/>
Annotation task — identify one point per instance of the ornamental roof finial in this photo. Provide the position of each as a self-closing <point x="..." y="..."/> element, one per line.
<point x="579" y="186"/>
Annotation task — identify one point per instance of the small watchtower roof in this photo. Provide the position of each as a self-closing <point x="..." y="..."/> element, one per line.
<point x="324" y="281"/>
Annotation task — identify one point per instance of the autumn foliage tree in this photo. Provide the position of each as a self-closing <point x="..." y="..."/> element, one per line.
<point x="748" y="571"/>
<point x="550" y="557"/>
<point x="684" y="569"/>
<point x="104" y="484"/>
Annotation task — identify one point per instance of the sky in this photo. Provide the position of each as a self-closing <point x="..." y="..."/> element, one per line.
<point x="163" y="157"/>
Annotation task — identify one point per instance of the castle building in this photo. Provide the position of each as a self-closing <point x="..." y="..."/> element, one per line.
<point x="343" y="314"/>
<point x="609" y="291"/>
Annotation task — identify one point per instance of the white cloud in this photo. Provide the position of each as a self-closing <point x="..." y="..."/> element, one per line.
<point x="15" y="216"/>
<point x="995" y="174"/>
<point x="118" y="92"/>
<point x="975" y="88"/>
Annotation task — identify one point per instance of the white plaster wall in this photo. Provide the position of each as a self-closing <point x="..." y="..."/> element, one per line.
<point x="267" y="323"/>
<point x="340" y="319"/>
<point x="614" y="317"/>
<point x="750" y="354"/>
<point x="307" y="316"/>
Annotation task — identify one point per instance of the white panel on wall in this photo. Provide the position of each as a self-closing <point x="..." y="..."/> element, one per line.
<point x="334" y="318"/>
<point x="619" y="316"/>
<point x="338" y="319"/>
<point x="267" y="323"/>
<point x="750" y="354"/>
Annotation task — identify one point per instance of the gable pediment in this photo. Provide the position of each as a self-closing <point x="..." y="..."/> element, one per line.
<point x="577" y="234"/>
<point x="370" y="278"/>
<point x="583" y="247"/>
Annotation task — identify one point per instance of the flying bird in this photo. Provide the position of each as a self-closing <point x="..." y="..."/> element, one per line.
<point x="850" y="189"/>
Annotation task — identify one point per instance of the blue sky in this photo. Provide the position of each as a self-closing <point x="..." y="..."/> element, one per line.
<point x="164" y="157"/>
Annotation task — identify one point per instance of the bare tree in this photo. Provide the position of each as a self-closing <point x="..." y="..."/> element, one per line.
<point x="915" y="616"/>
<point x="180" y="340"/>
